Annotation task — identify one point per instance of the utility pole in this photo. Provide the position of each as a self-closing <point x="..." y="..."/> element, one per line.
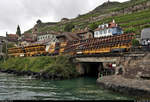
<point x="6" y="47"/>
<point x="1" y="49"/>
<point x="3" y="43"/>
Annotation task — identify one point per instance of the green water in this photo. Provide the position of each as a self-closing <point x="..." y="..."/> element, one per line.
<point x="24" y="88"/>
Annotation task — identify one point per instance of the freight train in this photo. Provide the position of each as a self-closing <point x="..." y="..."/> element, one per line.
<point x="107" y="44"/>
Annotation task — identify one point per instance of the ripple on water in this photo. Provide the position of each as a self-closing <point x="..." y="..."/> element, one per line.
<point x="24" y="88"/>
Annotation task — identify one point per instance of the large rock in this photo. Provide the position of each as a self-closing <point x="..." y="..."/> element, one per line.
<point x="136" y="67"/>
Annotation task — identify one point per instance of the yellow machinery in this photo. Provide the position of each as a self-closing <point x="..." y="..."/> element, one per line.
<point x="62" y="47"/>
<point x="27" y="50"/>
<point x="86" y="47"/>
<point x="52" y="48"/>
<point x="107" y="44"/>
<point x="16" y="52"/>
<point x="36" y="49"/>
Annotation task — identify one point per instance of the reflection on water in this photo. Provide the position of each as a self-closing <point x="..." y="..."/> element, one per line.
<point x="25" y="88"/>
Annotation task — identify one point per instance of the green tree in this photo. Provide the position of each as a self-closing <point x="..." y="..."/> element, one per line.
<point x="38" y="21"/>
<point x="18" y="32"/>
<point x="69" y="27"/>
<point x="130" y="30"/>
<point x="93" y="26"/>
<point x="135" y="42"/>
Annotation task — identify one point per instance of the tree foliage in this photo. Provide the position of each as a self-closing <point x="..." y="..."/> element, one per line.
<point x="130" y="30"/>
<point x="18" y="32"/>
<point x="93" y="26"/>
<point x="135" y="42"/>
<point x="59" y="66"/>
<point x="38" y="21"/>
<point x="69" y="27"/>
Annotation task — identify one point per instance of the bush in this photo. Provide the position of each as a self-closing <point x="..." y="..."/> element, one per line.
<point x="93" y="26"/>
<point x="59" y="65"/>
<point x="130" y="30"/>
<point x="135" y="42"/>
<point x="69" y="27"/>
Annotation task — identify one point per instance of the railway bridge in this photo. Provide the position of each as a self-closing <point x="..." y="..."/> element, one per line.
<point x="91" y="65"/>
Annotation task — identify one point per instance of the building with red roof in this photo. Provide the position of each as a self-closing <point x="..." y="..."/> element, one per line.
<point x="107" y="30"/>
<point x="12" y="37"/>
<point x="29" y="37"/>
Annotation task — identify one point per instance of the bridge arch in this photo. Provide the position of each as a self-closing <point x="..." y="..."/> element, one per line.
<point x="90" y="68"/>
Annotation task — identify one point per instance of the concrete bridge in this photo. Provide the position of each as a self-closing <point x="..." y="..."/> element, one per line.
<point x="111" y="58"/>
<point x="97" y="59"/>
<point x="92" y="65"/>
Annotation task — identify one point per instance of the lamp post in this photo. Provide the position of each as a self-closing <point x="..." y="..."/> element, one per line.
<point x="5" y="41"/>
<point x="1" y="49"/>
<point x="2" y="43"/>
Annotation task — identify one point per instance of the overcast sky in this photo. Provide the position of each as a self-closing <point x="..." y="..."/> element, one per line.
<point x="27" y="12"/>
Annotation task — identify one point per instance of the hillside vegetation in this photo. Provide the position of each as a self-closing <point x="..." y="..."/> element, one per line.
<point x="59" y="66"/>
<point x="126" y="18"/>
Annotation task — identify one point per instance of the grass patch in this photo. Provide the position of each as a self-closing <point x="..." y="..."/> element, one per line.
<point x="59" y="65"/>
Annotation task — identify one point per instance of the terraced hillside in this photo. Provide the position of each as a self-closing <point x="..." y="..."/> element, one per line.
<point x="134" y="21"/>
<point x="131" y="16"/>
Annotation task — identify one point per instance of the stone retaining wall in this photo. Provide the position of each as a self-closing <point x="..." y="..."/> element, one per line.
<point x="138" y="88"/>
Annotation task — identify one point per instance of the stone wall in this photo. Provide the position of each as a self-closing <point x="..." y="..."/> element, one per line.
<point x="136" y="67"/>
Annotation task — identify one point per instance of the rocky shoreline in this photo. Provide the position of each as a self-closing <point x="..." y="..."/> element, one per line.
<point x="133" y="87"/>
<point x="37" y="75"/>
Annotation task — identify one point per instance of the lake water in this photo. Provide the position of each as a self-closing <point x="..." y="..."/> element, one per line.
<point x="25" y="88"/>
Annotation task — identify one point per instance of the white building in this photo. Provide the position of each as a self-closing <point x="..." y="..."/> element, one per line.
<point x="51" y="37"/>
<point x="47" y="39"/>
<point x="107" y="30"/>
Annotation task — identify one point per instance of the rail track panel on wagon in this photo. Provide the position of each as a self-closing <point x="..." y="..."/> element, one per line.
<point x="62" y="48"/>
<point x="32" y="50"/>
<point x="92" y="46"/>
<point x="35" y="50"/>
<point x="107" y="44"/>
<point x="54" y="49"/>
<point x="16" y="52"/>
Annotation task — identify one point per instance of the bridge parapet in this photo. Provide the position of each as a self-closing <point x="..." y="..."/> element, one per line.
<point x="97" y="59"/>
<point x="107" y="58"/>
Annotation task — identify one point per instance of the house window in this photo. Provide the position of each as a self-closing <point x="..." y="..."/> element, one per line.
<point x="97" y="33"/>
<point x="108" y="30"/>
<point x="100" y="32"/>
<point x="105" y="31"/>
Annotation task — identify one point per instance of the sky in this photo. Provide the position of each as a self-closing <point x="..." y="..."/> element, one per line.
<point x="25" y="13"/>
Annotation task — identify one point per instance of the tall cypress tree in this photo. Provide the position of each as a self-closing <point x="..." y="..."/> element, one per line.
<point x="18" y="32"/>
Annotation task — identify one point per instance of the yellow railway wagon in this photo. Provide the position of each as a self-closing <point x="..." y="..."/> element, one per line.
<point x="62" y="47"/>
<point x="15" y="52"/>
<point x="51" y="49"/>
<point x="37" y="49"/>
